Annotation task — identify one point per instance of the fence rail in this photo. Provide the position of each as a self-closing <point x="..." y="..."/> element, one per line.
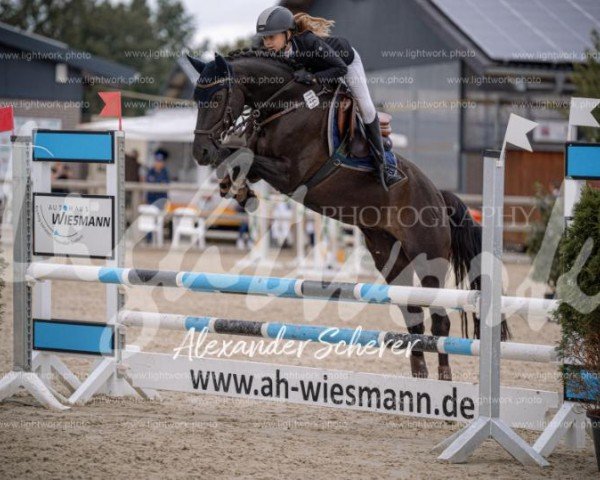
<point x="139" y="189"/>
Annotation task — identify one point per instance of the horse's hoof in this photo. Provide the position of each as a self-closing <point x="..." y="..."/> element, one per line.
<point x="418" y="367"/>
<point x="444" y="373"/>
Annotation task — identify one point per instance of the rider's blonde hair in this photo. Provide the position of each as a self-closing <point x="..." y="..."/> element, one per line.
<point x="317" y="25"/>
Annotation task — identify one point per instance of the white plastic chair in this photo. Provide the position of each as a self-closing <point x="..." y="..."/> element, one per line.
<point x="187" y="223"/>
<point x="281" y="228"/>
<point x="151" y="221"/>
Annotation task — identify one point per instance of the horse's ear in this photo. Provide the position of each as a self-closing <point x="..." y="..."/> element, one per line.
<point x="221" y="63"/>
<point x="196" y="63"/>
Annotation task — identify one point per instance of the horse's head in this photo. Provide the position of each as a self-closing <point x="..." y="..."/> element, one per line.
<point x="219" y="104"/>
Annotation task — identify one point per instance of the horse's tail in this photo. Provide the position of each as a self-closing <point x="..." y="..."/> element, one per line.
<point x="466" y="236"/>
<point x="466" y="241"/>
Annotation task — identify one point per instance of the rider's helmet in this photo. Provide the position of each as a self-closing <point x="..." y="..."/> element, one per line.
<point x="274" y="20"/>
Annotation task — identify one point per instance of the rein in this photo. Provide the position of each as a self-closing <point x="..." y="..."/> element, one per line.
<point x="226" y="124"/>
<point x="284" y="112"/>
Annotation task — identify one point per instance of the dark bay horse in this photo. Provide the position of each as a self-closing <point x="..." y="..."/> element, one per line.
<point x="414" y="229"/>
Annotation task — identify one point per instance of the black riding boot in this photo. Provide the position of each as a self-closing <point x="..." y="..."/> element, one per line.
<point x="386" y="177"/>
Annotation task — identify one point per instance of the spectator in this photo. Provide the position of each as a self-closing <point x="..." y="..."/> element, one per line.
<point x="158" y="173"/>
<point x="132" y="173"/>
<point x="132" y="166"/>
<point x="61" y="171"/>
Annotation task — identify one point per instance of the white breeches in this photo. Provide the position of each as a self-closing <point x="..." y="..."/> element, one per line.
<point x="357" y="82"/>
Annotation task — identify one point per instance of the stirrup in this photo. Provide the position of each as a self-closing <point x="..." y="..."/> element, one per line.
<point x="388" y="179"/>
<point x="397" y="177"/>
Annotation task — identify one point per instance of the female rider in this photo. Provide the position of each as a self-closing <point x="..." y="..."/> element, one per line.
<point x="325" y="59"/>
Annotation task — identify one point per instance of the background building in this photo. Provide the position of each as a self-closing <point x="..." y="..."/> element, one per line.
<point x="45" y="80"/>
<point x="451" y="71"/>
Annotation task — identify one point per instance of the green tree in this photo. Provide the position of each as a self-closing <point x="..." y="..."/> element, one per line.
<point x="586" y="77"/>
<point x="131" y="33"/>
<point x="579" y="289"/>
<point x="226" y="47"/>
<point x="545" y="203"/>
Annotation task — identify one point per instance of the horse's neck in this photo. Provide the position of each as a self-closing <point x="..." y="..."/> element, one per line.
<point x="297" y="165"/>
<point x="258" y="79"/>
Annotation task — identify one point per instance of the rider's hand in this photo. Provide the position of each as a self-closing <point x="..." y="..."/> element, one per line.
<point x="302" y="76"/>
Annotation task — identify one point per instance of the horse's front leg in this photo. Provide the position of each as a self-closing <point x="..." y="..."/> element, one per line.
<point x="240" y="191"/>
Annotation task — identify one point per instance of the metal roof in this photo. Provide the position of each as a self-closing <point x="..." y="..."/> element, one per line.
<point x="548" y="31"/>
<point x="59" y="52"/>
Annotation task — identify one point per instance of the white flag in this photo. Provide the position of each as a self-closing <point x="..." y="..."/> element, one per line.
<point x="581" y="112"/>
<point x="517" y="130"/>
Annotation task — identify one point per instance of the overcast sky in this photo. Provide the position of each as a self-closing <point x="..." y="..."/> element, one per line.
<point x="225" y="20"/>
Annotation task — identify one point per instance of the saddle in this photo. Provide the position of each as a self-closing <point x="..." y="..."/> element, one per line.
<point x="349" y="124"/>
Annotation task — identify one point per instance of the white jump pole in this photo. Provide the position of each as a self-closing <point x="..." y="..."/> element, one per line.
<point x="522" y="352"/>
<point x="467" y="300"/>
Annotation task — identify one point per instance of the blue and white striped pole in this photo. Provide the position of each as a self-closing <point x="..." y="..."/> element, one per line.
<point x="322" y="334"/>
<point x="467" y="300"/>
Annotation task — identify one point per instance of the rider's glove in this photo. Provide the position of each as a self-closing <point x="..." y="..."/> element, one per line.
<point x="302" y="76"/>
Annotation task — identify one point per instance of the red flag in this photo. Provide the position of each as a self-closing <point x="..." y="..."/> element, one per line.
<point x="112" y="105"/>
<point x="7" y="123"/>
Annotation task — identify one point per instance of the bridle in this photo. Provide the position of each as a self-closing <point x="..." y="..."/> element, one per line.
<point x="220" y="129"/>
<point x="226" y="125"/>
<point x="252" y="123"/>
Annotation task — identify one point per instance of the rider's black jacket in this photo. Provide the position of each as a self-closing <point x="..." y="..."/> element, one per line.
<point x="327" y="58"/>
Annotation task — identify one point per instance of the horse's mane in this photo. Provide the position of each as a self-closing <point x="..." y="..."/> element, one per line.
<point x="263" y="53"/>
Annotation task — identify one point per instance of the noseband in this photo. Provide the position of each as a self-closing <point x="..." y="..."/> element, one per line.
<point x="218" y="131"/>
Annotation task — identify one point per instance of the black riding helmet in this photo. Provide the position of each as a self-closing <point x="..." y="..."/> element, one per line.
<point x="274" y="20"/>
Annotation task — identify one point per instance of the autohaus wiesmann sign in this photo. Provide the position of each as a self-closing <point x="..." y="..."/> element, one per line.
<point x="73" y="225"/>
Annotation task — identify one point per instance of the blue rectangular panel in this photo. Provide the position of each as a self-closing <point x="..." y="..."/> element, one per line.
<point x="73" y="337"/>
<point x="582" y="161"/>
<point x="580" y="385"/>
<point x="86" y="147"/>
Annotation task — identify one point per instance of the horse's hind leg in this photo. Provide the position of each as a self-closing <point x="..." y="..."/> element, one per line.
<point x="395" y="267"/>
<point x="440" y="327"/>
<point x="414" y="318"/>
<point x="432" y="269"/>
<point x="440" y="322"/>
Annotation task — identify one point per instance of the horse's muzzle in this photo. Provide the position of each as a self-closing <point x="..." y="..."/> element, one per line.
<point x="209" y="154"/>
